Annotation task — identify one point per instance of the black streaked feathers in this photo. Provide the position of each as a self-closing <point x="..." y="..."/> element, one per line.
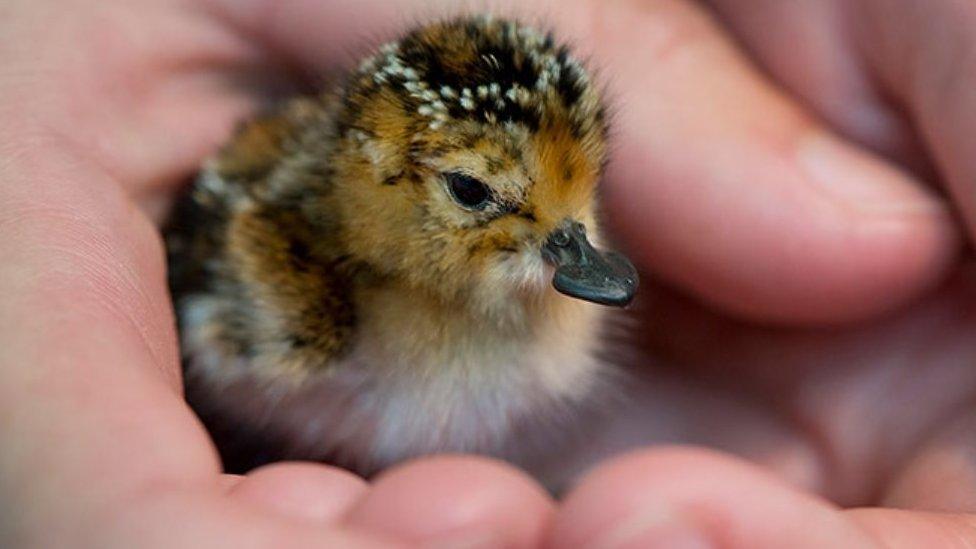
<point x="486" y="69"/>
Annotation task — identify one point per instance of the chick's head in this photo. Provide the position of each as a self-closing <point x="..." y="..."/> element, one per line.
<point x="471" y="151"/>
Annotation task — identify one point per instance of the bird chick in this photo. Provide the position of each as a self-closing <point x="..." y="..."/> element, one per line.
<point x="405" y="266"/>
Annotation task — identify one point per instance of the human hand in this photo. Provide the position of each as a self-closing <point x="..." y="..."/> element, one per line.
<point x="119" y="102"/>
<point x="106" y="107"/>
<point x="736" y="176"/>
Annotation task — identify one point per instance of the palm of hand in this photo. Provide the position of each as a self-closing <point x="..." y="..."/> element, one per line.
<point x="130" y="98"/>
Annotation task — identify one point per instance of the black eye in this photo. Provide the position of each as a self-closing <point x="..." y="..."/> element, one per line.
<point x="468" y="191"/>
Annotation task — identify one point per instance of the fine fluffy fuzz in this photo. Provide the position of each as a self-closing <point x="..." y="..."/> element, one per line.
<point x="337" y="302"/>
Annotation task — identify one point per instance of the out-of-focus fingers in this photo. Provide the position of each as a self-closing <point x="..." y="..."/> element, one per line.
<point x="923" y="53"/>
<point x="228" y="481"/>
<point x="828" y="71"/>
<point x="897" y="529"/>
<point x="941" y="474"/>
<point x="684" y="498"/>
<point x="455" y="502"/>
<point x="191" y="519"/>
<point x="731" y="189"/>
<point x="865" y="62"/>
<point x="303" y="490"/>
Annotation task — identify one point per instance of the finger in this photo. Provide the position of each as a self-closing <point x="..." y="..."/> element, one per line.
<point x="896" y="529"/>
<point x="827" y="72"/>
<point x="229" y="480"/>
<point x="695" y="499"/>
<point x="741" y="195"/>
<point x="922" y="52"/>
<point x="941" y="474"/>
<point x="455" y="502"/>
<point x="868" y="396"/>
<point x="303" y="490"/>
<point x="887" y="72"/>
<point x="164" y="518"/>
<point x="146" y="89"/>
<point x="721" y="183"/>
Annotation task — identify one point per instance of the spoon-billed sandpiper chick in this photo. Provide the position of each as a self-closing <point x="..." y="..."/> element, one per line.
<point x="408" y="265"/>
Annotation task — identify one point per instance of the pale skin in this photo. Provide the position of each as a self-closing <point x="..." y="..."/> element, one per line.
<point x="760" y="166"/>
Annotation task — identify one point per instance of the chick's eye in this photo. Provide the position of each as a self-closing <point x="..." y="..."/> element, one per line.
<point x="468" y="191"/>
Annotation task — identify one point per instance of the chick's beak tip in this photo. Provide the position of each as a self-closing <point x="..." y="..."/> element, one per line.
<point x="583" y="272"/>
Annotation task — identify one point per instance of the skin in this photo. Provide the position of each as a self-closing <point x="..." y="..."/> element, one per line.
<point x="777" y="184"/>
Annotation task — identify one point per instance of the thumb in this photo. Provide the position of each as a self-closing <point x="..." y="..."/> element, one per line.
<point x="897" y="76"/>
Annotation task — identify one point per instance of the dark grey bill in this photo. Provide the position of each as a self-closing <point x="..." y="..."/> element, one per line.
<point x="583" y="272"/>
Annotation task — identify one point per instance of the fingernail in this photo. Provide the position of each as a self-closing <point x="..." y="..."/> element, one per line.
<point x="860" y="181"/>
<point x="651" y="528"/>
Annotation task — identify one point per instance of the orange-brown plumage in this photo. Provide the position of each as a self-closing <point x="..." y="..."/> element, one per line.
<point x="364" y="276"/>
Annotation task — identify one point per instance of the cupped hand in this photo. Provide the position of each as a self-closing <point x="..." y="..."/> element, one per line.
<point x="792" y="165"/>
<point x="106" y="107"/>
